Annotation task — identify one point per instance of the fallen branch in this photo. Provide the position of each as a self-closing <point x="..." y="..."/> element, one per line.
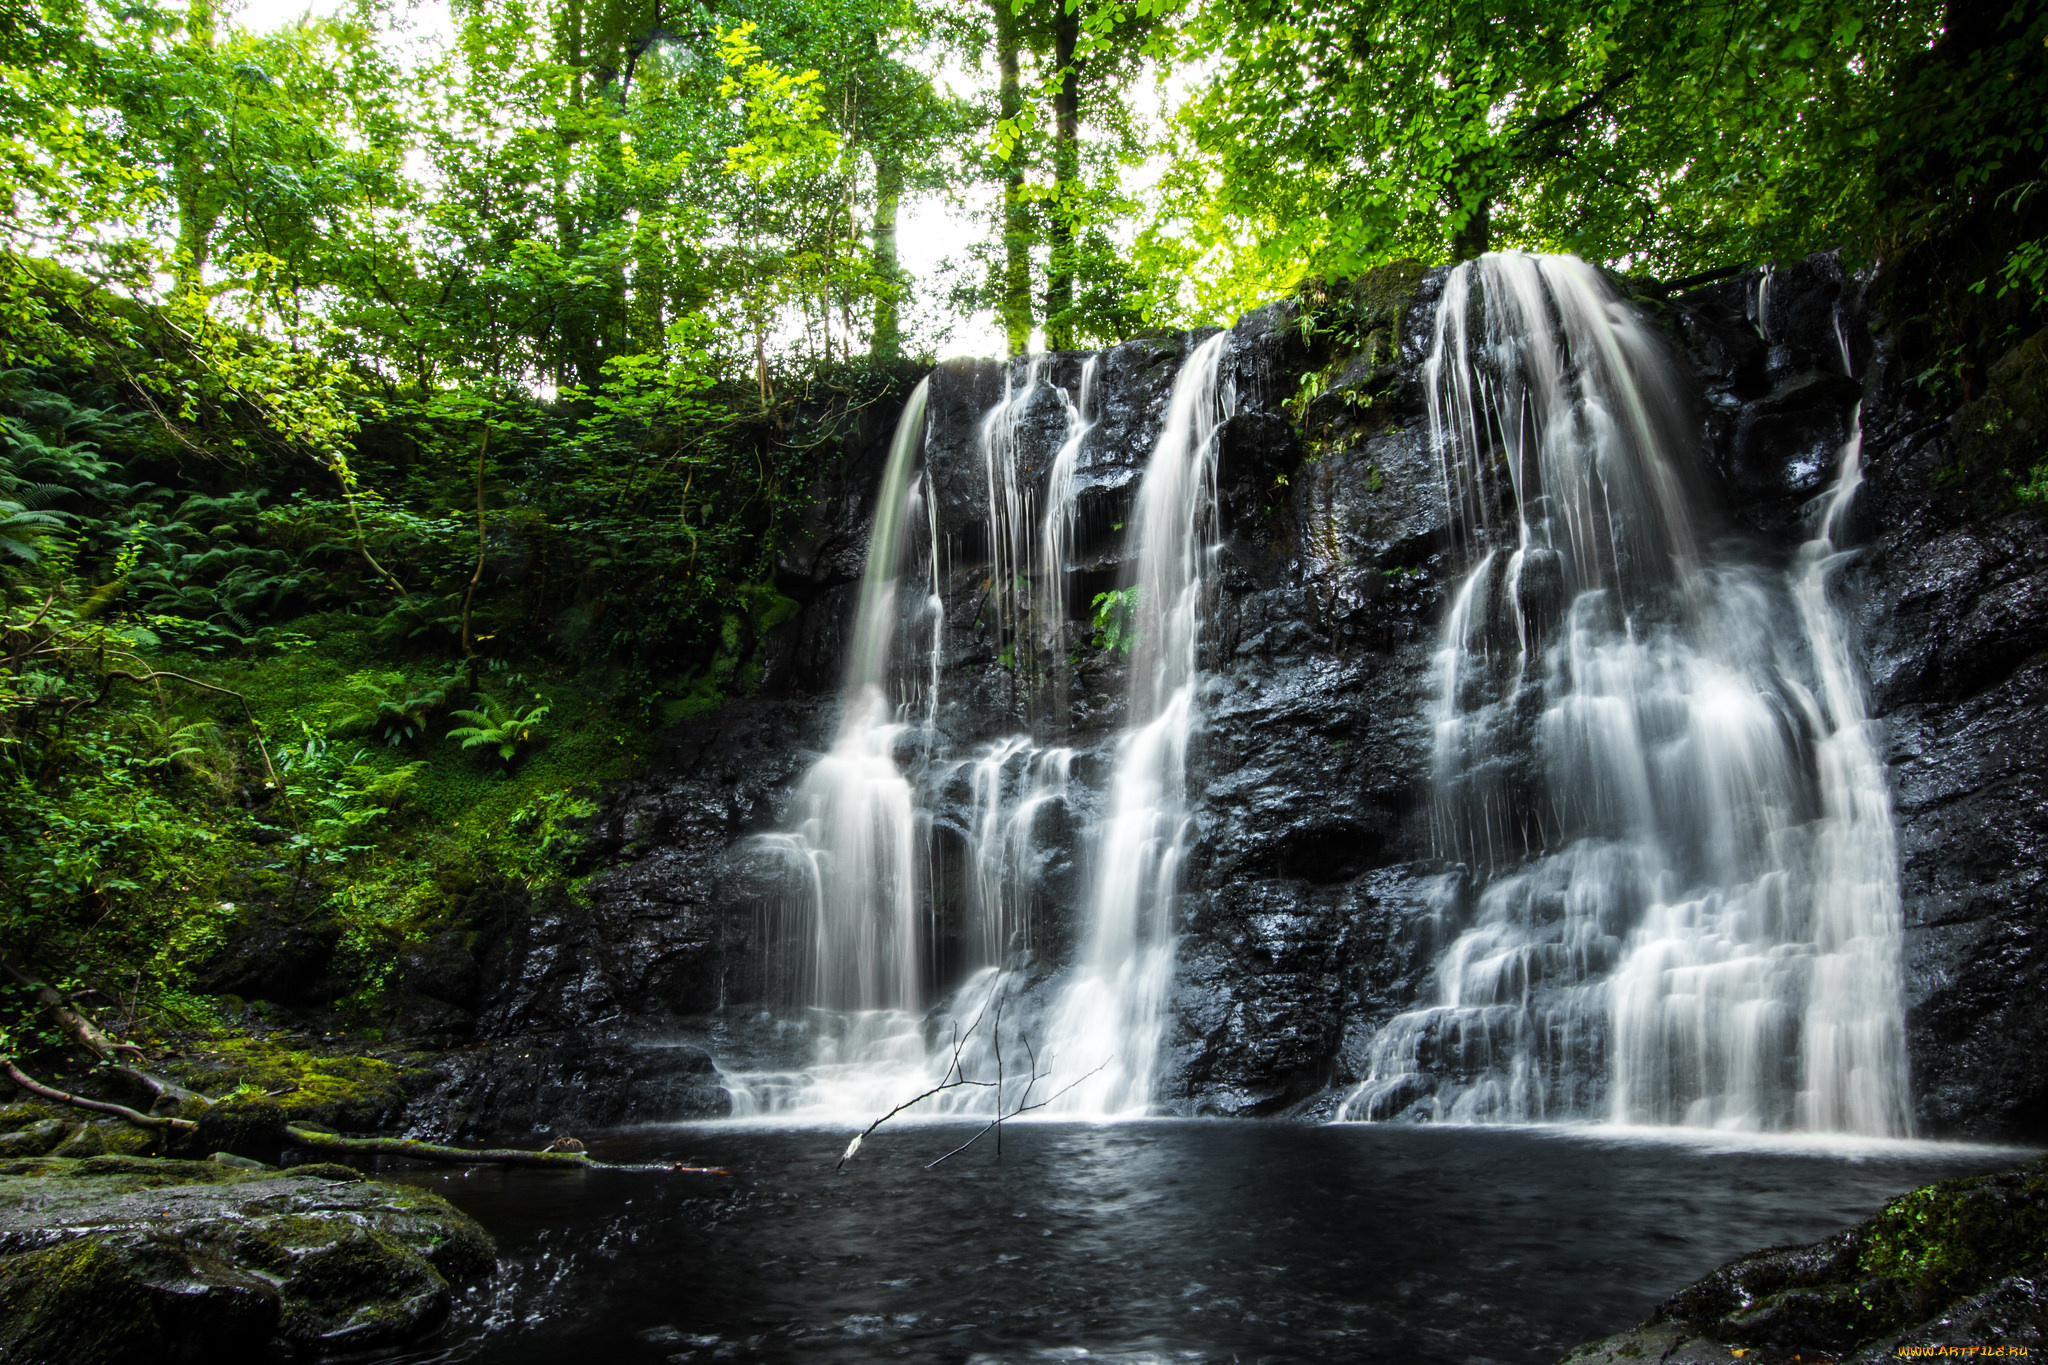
<point x="346" y="1146"/>
<point x="467" y="1156"/>
<point x="119" y="1111"/>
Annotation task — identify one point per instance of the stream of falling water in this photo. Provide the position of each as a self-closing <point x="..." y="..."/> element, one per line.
<point x="1654" y="765"/>
<point x="1104" y="1038"/>
<point x="860" y="839"/>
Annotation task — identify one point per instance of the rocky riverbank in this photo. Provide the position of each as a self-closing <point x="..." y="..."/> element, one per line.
<point x="116" y="1258"/>
<point x="1960" y="1264"/>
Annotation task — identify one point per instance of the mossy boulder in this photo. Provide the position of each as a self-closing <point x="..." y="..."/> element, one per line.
<point x="130" y="1296"/>
<point x="98" y="1137"/>
<point x="119" y="1258"/>
<point x="33" y="1139"/>
<point x="253" y="1128"/>
<point x="344" y="1091"/>
<point x="1964" y="1262"/>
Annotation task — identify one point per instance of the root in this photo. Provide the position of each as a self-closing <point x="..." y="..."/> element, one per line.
<point x="119" y="1111"/>
<point x="105" y="1049"/>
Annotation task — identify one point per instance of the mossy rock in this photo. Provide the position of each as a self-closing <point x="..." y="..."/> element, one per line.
<point x="99" y="1137"/>
<point x="193" y="1260"/>
<point x="344" y="1091"/>
<point x="253" y="1128"/>
<point x="26" y="1114"/>
<point x="33" y="1139"/>
<point x="122" y="1297"/>
<point x="345" y="1287"/>
<point x="1930" y="1268"/>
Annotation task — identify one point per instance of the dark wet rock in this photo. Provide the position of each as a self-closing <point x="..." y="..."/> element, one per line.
<point x="1962" y="1263"/>
<point x="277" y="955"/>
<point x="557" y="1084"/>
<point x="1952" y="609"/>
<point x="116" y="1259"/>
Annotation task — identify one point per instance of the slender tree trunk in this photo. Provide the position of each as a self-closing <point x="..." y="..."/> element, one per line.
<point x="887" y="342"/>
<point x="196" y="214"/>
<point x="1066" y="180"/>
<point x="1016" y="299"/>
<point x="469" y="653"/>
<point x="650" y="287"/>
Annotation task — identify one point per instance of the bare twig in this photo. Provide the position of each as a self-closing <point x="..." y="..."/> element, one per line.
<point x="997" y="1122"/>
<point x="953" y="1079"/>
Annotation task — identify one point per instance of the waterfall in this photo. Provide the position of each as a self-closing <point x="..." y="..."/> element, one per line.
<point x="1653" y="763"/>
<point x="1105" y="1033"/>
<point x="1056" y="544"/>
<point x="860" y="838"/>
<point x="856" y="838"/>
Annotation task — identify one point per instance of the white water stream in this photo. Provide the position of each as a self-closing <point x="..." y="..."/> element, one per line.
<point x="1675" y="900"/>
<point x="1653" y="762"/>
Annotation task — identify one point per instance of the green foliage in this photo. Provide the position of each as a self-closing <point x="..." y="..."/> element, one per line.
<point x="1324" y="138"/>
<point x="1116" y="618"/>
<point x="394" y="709"/>
<point x="497" y="725"/>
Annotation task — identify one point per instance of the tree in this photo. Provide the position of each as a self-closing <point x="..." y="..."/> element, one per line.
<point x="1677" y="137"/>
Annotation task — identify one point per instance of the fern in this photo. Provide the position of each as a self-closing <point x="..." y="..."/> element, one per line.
<point x="395" y="718"/>
<point x="494" y="725"/>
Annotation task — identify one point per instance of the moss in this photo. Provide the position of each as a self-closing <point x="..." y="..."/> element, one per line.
<point x="75" y="1302"/>
<point x="1948" y="1240"/>
<point x="340" y="1270"/>
<point x="343" y="1284"/>
<point x="329" y="1170"/>
<point x="251" y="1127"/>
<point x="153" y="1171"/>
<point x="343" y="1091"/>
<point x="16" y="1117"/>
<point x="84" y="1140"/>
<point x="1923" y="1253"/>
<point x="33" y="1140"/>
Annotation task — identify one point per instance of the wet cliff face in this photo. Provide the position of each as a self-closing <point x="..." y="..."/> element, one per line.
<point x="1306" y="919"/>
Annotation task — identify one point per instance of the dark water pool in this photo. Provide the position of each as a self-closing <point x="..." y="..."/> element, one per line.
<point x="1170" y="1241"/>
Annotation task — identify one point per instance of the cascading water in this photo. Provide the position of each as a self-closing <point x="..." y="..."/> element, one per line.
<point x="1654" y="764"/>
<point x="1105" y="1032"/>
<point x="855" y="930"/>
<point x="861" y="839"/>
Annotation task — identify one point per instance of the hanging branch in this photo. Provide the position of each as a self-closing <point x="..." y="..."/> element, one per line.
<point x="955" y="1078"/>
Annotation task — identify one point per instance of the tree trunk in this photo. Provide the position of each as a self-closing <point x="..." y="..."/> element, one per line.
<point x="196" y="214"/>
<point x="1066" y="181"/>
<point x="1474" y="235"/>
<point x="1016" y="298"/>
<point x="887" y="341"/>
